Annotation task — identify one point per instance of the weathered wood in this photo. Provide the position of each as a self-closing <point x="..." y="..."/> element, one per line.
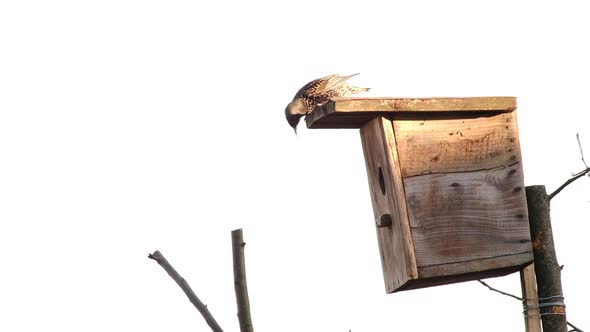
<point x="389" y="206"/>
<point x="547" y="270"/>
<point x="355" y="112"/>
<point x="461" y="217"/>
<point x="459" y="272"/>
<point x="528" y="283"/>
<point x="480" y="268"/>
<point x="240" y="283"/>
<point x="437" y="145"/>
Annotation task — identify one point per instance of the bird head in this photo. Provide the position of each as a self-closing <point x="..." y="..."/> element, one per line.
<point x="293" y="113"/>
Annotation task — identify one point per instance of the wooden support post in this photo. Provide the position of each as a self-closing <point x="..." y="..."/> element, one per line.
<point x="528" y="283"/>
<point x="547" y="269"/>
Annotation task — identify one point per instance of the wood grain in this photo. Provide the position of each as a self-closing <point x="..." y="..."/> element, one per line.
<point x="387" y="195"/>
<point x="355" y="112"/>
<point x="462" y="217"/>
<point x="437" y="145"/>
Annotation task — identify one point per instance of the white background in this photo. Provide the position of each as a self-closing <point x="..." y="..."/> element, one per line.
<point x="131" y="126"/>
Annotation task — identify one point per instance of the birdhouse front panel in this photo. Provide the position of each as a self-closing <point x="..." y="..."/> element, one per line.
<point x="446" y="183"/>
<point x="389" y="206"/>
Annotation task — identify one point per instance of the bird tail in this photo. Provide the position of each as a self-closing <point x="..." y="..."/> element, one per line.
<point x="344" y="78"/>
<point x="354" y="89"/>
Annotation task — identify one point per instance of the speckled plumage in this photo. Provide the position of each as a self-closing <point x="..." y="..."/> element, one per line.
<point x="316" y="93"/>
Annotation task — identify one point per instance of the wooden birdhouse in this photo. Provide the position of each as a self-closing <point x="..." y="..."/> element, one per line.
<point x="446" y="183"/>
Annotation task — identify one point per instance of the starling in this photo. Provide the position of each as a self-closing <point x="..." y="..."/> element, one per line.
<point x="317" y="93"/>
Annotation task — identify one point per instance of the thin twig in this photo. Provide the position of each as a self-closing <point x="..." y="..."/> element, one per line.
<point x="581" y="150"/>
<point x="240" y="284"/>
<point x="158" y="257"/>
<point x="499" y="291"/>
<point x="566" y="183"/>
<point x="575" y="176"/>
<point x="575" y="329"/>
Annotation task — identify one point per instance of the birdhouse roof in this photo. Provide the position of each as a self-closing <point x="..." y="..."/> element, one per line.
<point x="354" y="112"/>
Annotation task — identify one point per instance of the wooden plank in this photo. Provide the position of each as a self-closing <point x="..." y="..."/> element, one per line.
<point x="354" y="112"/>
<point x="438" y="277"/>
<point x="476" y="269"/>
<point x="528" y="283"/>
<point x="389" y="206"/>
<point x="461" y="217"/>
<point x="438" y="145"/>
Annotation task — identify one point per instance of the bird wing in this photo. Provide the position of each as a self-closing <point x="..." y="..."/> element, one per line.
<point x="322" y="85"/>
<point x="334" y="81"/>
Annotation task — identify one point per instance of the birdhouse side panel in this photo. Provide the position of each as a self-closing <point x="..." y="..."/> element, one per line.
<point x="463" y="217"/>
<point x="389" y="205"/>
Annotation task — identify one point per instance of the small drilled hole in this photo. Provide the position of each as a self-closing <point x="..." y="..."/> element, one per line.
<point x="381" y="181"/>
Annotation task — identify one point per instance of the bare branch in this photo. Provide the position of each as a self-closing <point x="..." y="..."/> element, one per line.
<point x="566" y="183"/>
<point x="240" y="284"/>
<point x="158" y="257"/>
